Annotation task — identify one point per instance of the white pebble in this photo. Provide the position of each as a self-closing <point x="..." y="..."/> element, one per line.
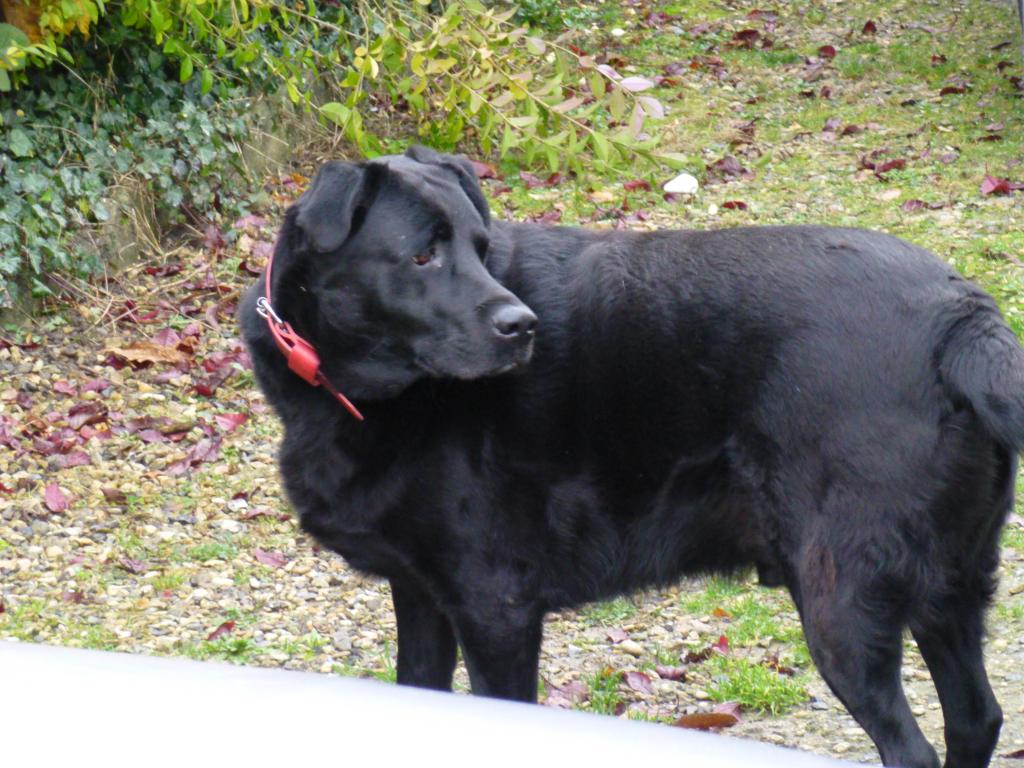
<point x="683" y="184"/>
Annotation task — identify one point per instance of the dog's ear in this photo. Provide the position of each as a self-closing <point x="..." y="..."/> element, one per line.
<point x="334" y="206"/>
<point x="463" y="170"/>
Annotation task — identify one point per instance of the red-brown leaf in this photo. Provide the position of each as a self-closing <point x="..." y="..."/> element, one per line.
<point x="223" y="629"/>
<point x="272" y="559"/>
<point x="772" y="662"/>
<point x="213" y="238"/>
<point x="255" y="512"/>
<point x="639" y="682"/>
<point x="165" y="270"/>
<point x="869" y="28"/>
<point x="208" y="385"/>
<point x="73" y="459"/>
<point x="56" y="500"/>
<point x="890" y="165"/>
<point x="745" y="38"/>
<point x="726" y="167"/>
<point x="671" y="673"/>
<point x="635" y="184"/>
<point x="617" y="635"/>
<point x="484" y="170"/>
<point x="705" y="721"/>
<point x="827" y="52"/>
<point x="532" y="181"/>
<point x="735" y="205"/>
<point x="132" y="565"/>
<point x="695" y="657"/>
<point x="991" y="185"/>
<point x="563" y="697"/>
<point x="114" y="495"/>
<point x="166" y="337"/>
<point x="86" y="413"/>
<point x="202" y="451"/>
<point x="250" y="221"/>
<point x="230" y="421"/>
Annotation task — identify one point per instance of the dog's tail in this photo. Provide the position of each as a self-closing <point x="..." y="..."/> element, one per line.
<point x="982" y="362"/>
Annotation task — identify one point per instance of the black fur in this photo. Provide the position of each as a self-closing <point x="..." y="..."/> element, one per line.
<point x="833" y="406"/>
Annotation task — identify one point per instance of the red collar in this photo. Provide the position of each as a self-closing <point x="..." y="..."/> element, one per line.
<point x="300" y="354"/>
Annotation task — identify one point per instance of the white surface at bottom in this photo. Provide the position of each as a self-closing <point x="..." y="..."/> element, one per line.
<point x="61" y="706"/>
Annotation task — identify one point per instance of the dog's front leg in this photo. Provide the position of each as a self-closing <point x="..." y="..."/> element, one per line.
<point x="426" y="641"/>
<point x="501" y="648"/>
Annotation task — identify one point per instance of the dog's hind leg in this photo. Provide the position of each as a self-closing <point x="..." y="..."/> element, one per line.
<point x="426" y="641"/>
<point x="951" y="646"/>
<point x="856" y="645"/>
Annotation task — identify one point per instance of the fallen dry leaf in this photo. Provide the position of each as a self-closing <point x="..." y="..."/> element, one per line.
<point x="639" y="682"/>
<point x="146" y="353"/>
<point x="705" y="721"/>
<point x="223" y="629"/>
<point x="671" y="673"/>
<point x="55" y="498"/>
<point x="273" y="559"/>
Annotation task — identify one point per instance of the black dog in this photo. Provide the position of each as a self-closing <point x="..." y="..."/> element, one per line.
<point x="835" y="407"/>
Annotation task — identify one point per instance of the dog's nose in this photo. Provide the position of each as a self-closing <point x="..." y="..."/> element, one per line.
<point x="513" y="320"/>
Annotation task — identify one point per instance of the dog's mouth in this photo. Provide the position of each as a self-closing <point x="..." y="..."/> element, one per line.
<point x="466" y="369"/>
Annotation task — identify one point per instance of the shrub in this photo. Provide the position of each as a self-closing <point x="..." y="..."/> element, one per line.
<point x="70" y="138"/>
<point x="160" y="88"/>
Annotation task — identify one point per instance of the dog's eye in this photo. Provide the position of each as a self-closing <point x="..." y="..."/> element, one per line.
<point x="424" y="257"/>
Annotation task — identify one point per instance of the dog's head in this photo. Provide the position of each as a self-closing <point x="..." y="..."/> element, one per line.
<point x="381" y="265"/>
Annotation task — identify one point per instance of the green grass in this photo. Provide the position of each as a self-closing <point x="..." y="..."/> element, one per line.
<point x="755" y="686"/>
<point x="129" y="542"/>
<point x="1012" y="611"/>
<point x="605" y="697"/>
<point x="4" y="545"/>
<point x="213" y="550"/>
<point x="26" y="620"/>
<point x="752" y="621"/>
<point x="170" y="580"/>
<point x="33" y="620"/>
<point x="238" y="650"/>
<point x="1013" y="538"/>
<point x="92" y="636"/>
<point x="384" y="670"/>
<point x="717" y="592"/>
<point x="751" y="616"/>
<point x="307" y="647"/>
<point x="608" y="613"/>
<point x="644" y="717"/>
